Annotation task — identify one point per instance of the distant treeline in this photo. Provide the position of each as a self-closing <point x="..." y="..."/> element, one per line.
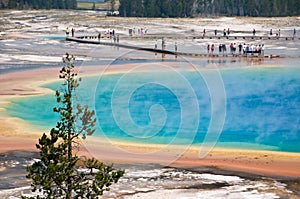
<point x="189" y="8"/>
<point x="38" y="4"/>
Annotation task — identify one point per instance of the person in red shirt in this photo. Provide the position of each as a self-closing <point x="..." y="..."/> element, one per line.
<point x="212" y="48"/>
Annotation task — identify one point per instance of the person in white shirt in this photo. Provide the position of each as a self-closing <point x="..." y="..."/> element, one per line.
<point x="263" y="48"/>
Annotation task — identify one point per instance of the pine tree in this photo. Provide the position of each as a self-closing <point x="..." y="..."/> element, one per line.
<point x="123" y="8"/>
<point x="112" y="5"/>
<point x="58" y="174"/>
<point x="12" y="4"/>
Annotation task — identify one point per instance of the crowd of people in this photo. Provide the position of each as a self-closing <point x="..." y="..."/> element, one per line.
<point x="111" y="34"/>
<point x="227" y="32"/>
<point x="138" y="32"/>
<point x="233" y="49"/>
<point x="68" y="32"/>
<point x="243" y="49"/>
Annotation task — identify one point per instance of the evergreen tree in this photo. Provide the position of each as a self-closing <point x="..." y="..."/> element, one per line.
<point x="70" y="4"/>
<point x="47" y="4"/>
<point x="187" y="8"/>
<point x="295" y="8"/>
<point x="151" y="8"/>
<point x="12" y="4"/>
<point x="176" y="8"/>
<point x="165" y="8"/>
<point x="112" y="5"/>
<point x="251" y="8"/>
<point x="123" y="8"/>
<point x="265" y="8"/>
<point x="58" y="174"/>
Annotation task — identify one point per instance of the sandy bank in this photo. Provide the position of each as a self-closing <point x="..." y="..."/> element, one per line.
<point x="266" y="163"/>
<point x="249" y="161"/>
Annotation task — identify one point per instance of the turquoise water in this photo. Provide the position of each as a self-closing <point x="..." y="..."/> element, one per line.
<point x="262" y="107"/>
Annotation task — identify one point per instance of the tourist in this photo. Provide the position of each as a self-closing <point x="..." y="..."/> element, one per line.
<point x="220" y="48"/>
<point x="67" y="32"/>
<point x="224" y="49"/>
<point x="228" y="31"/>
<point x="212" y="48"/>
<point x="73" y="31"/>
<point x="208" y="48"/>
<point x="271" y="32"/>
<point x="163" y="44"/>
<point x="245" y="48"/>
<point x="240" y="48"/>
<point x="99" y="36"/>
<point x="254" y="31"/>
<point x="279" y="33"/>
<point x="294" y="35"/>
<point x="252" y="48"/>
<point x="257" y="49"/>
<point x="118" y="38"/>
<point x="263" y="48"/>
<point x="231" y="48"/>
<point x="175" y="47"/>
<point x="224" y="32"/>
<point x="234" y="48"/>
<point x="216" y="31"/>
<point x="204" y="31"/>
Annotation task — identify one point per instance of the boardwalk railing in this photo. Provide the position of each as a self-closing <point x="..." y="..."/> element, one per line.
<point x="93" y="40"/>
<point x="201" y="37"/>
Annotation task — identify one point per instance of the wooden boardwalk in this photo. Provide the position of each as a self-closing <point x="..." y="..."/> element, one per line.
<point x="247" y="38"/>
<point x="92" y="40"/>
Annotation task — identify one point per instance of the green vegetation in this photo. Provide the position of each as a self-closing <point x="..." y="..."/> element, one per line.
<point x="38" y="4"/>
<point x="188" y="8"/>
<point x="85" y="5"/>
<point x="111" y="5"/>
<point x="169" y="8"/>
<point x="60" y="173"/>
<point x="92" y="5"/>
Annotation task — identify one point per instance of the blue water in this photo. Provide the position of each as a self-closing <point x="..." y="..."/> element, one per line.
<point x="55" y="37"/>
<point x="262" y="107"/>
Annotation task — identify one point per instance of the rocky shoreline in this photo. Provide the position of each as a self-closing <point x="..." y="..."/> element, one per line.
<point x="150" y="180"/>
